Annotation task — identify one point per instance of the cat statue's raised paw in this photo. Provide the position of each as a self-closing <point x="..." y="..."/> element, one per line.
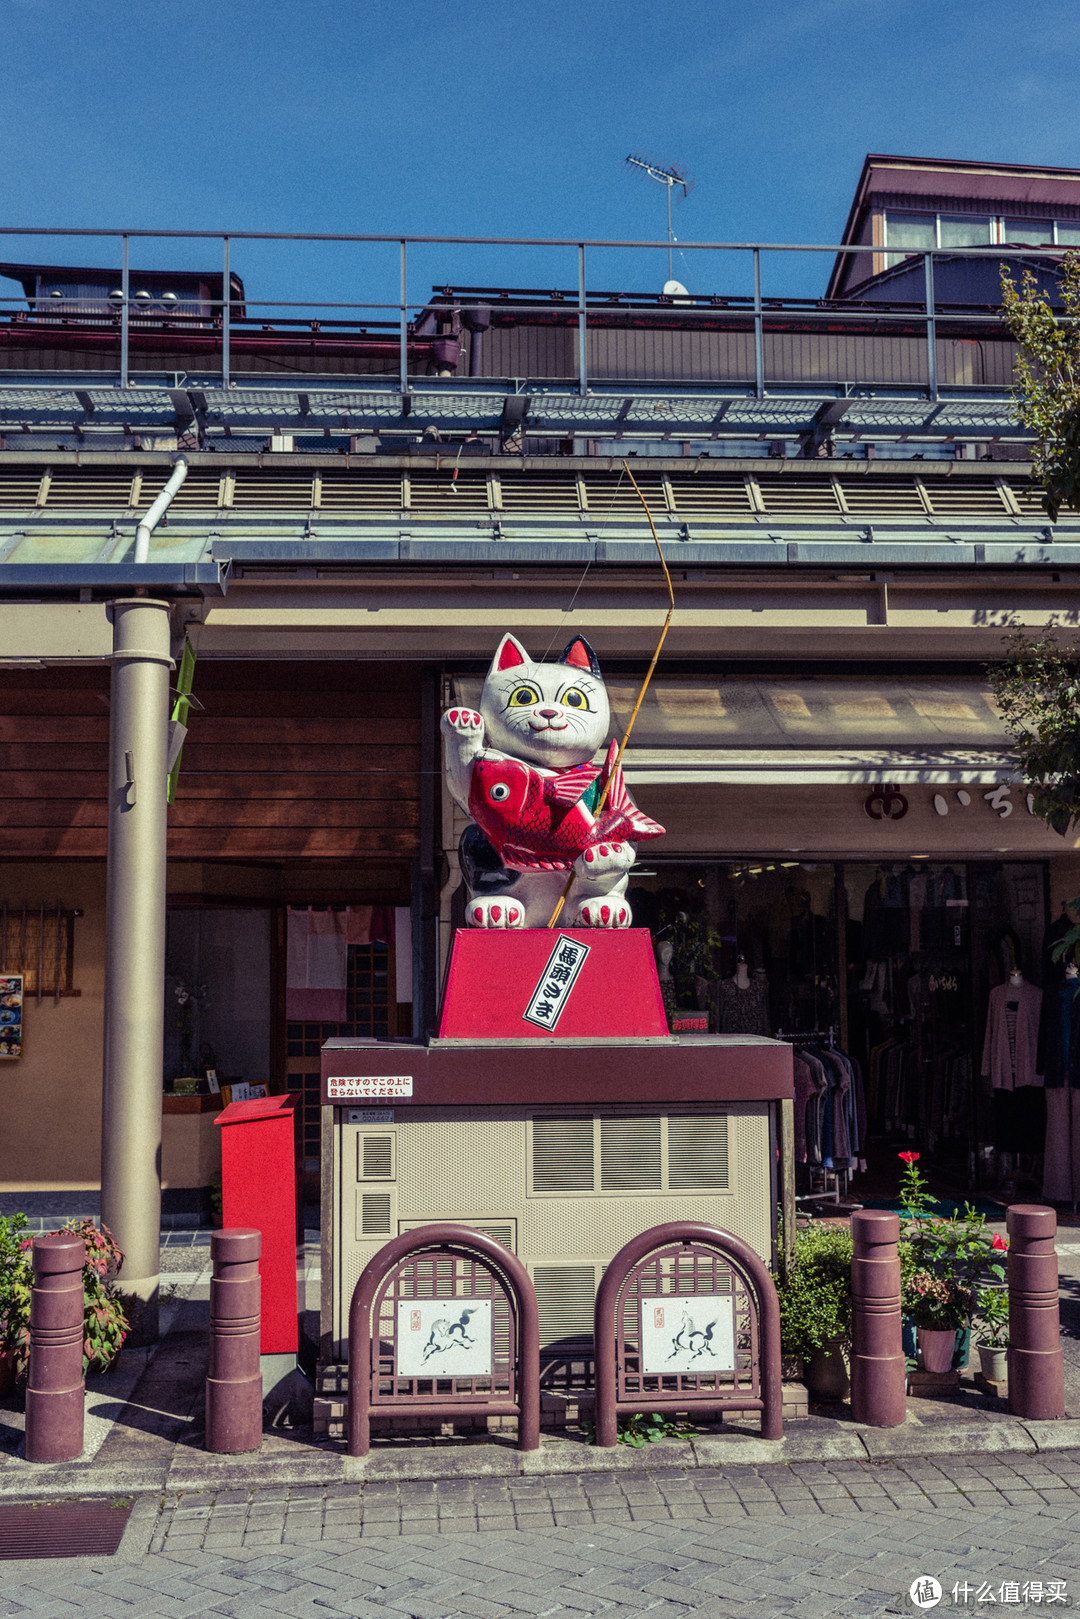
<point x="522" y="768"/>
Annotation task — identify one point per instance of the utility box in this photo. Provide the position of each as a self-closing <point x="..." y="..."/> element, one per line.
<point x="258" y="1189"/>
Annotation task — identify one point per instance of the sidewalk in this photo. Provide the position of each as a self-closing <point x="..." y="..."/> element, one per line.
<point x="144" y="1429"/>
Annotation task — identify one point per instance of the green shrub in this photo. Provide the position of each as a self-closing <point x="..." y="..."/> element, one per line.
<point x="815" y="1291"/>
<point x="105" y="1319"/>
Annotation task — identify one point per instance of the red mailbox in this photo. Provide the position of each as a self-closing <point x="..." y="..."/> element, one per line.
<point x="258" y="1189"/>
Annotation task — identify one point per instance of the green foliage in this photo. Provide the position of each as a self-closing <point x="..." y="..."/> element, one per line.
<point x="1037" y="686"/>
<point x="815" y="1290"/>
<point x="943" y="1262"/>
<point x="992" y="1318"/>
<point x="105" y="1320"/>
<point x="1047" y="373"/>
<point x="640" y="1429"/>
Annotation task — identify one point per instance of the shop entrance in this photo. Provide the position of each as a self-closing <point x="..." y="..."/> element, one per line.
<point x="891" y="965"/>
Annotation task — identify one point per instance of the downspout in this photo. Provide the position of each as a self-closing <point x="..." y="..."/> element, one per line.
<point x="158" y="509"/>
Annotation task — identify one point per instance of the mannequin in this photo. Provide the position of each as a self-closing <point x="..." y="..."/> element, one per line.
<point x="744" y="1001"/>
<point x="1059" y="1060"/>
<point x="1010" y="1061"/>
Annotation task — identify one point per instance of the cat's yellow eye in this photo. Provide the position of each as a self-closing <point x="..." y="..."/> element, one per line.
<point x="523" y="697"/>
<point x="575" y="698"/>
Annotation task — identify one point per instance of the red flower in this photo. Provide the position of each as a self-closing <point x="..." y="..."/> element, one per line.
<point x="908" y="1157"/>
<point x="1000" y="1242"/>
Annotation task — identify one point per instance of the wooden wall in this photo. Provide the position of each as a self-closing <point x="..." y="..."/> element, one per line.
<point x="287" y="761"/>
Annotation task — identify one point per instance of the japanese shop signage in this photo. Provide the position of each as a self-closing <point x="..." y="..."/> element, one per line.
<point x="998" y="798"/>
<point x="691" y="1335"/>
<point x="11" y="1016"/>
<point x="367" y="1087"/>
<point x="556" y="981"/>
<point x="444" y="1337"/>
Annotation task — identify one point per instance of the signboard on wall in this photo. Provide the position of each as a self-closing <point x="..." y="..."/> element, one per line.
<point x="367" y="1087"/>
<point x="694" y="1334"/>
<point x="11" y="1016"/>
<point x="444" y="1337"/>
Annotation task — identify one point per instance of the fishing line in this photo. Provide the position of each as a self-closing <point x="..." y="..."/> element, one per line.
<point x="558" y="630"/>
<point x="641" y="694"/>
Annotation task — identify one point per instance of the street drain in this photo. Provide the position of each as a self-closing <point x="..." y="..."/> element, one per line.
<point x="63" y="1528"/>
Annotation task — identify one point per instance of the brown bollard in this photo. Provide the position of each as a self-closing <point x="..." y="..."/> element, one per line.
<point x="878" y="1367"/>
<point x="234" y="1385"/>
<point x="1036" y="1360"/>
<point x="55" y="1391"/>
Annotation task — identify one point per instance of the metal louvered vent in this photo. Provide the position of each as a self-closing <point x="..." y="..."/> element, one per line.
<point x="274" y="491"/>
<point x="562" y="1155"/>
<point x="522" y="491"/>
<point x="200" y="490"/>
<point x="346" y="492"/>
<point x="377" y="1159"/>
<point x="90" y="490"/>
<point x="565" y="1295"/>
<point x="704" y="494"/>
<point x="375" y="1214"/>
<point x="630" y="1155"/>
<point x="610" y="491"/>
<point x="811" y="495"/>
<point x="698" y="1154"/>
<point x="440" y="491"/>
<point x="882" y="497"/>
<point x="966" y="498"/>
<point x="19" y="490"/>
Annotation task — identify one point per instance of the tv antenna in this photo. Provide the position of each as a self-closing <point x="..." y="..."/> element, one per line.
<point x="669" y="177"/>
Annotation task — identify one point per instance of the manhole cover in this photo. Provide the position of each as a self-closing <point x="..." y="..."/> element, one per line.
<point x="63" y="1528"/>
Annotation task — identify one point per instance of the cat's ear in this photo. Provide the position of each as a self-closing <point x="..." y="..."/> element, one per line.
<point x="581" y="655"/>
<point x="508" y="655"/>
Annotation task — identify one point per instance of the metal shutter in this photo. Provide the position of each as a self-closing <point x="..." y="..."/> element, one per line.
<point x="562" y="1155"/>
<point x="698" y="1153"/>
<point x="630" y="1155"/>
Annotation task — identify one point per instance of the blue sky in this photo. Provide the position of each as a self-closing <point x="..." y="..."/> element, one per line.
<point x="494" y="119"/>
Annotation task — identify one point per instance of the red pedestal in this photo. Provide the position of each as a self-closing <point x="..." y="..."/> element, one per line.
<point x="500" y="983"/>
<point x="258" y="1189"/>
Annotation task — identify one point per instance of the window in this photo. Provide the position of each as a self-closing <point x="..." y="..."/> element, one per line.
<point x="644" y="1153"/>
<point x="1068" y="233"/>
<point x="964" y="230"/>
<point x="1027" y="232"/>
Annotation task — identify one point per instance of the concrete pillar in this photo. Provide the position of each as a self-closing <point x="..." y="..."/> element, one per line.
<point x="878" y="1368"/>
<point x="1036" y="1359"/>
<point x="135" y="945"/>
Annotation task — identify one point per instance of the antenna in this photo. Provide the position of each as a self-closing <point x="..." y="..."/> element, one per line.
<point x="670" y="177"/>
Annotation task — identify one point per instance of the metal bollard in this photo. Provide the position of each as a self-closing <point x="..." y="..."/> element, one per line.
<point x="878" y="1367"/>
<point x="55" y="1391"/>
<point x="1036" y="1361"/>
<point x="234" y="1384"/>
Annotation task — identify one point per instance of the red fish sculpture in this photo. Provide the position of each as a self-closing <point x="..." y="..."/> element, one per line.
<point x="543" y="820"/>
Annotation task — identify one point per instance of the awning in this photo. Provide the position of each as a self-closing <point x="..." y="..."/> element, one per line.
<point x="837" y="731"/>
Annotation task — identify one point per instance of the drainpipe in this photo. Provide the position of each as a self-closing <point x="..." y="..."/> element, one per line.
<point x="158" y="509"/>
<point x="135" y="943"/>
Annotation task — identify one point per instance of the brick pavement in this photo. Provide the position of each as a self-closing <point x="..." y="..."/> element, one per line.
<point x="807" y="1540"/>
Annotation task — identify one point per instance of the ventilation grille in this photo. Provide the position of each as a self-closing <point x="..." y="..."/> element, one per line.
<point x="630" y="1155"/>
<point x="19" y="490"/>
<point x="698" y="1154"/>
<point x="342" y="493"/>
<point x="375" y="1214"/>
<point x="613" y="492"/>
<point x="562" y="1155"/>
<point x="881" y="498"/>
<point x="79" y="491"/>
<point x="377" y="1158"/>
<point x="200" y="491"/>
<point x="274" y="491"/>
<point x="704" y="495"/>
<point x="441" y="491"/>
<point x="522" y="492"/>
<point x="565" y="1295"/>
<point x="965" y="498"/>
<point x="814" y="495"/>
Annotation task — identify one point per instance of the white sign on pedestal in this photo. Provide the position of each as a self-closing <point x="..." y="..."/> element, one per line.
<point x="444" y="1337"/>
<point x="692" y="1334"/>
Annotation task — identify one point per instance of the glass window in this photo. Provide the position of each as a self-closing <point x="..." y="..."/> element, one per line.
<point x="912" y="231"/>
<point x="965" y="230"/>
<point x="1068" y="232"/>
<point x="1028" y="232"/>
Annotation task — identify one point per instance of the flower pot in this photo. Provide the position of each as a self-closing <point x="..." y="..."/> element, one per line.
<point x="827" y="1378"/>
<point x="994" y="1363"/>
<point x="936" y="1348"/>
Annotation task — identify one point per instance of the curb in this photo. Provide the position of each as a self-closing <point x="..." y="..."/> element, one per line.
<point x="191" y="1470"/>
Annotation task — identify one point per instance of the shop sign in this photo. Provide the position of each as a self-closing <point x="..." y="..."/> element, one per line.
<point x="999" y="799"/>
<point x="886" y="804"/>
<point x="556" y="981"/>
<point x="693" y="1334"/>
<point x="444" y="1337"/>
<point x="367" y="1087"/>
<point x="11" y="1015"/>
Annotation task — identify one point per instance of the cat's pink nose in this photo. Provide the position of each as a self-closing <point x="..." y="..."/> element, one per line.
<point x="548" y="713"/>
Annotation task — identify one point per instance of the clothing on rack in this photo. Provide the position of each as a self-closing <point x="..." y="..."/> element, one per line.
<point x="1061" y="1159"/>
<point x="1005" y="1070"/>
<point x="830" y="1107"/>
<point x="1058" y="1053"/>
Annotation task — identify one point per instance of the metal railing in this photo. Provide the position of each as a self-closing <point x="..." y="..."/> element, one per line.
<point x="757" y="308"/>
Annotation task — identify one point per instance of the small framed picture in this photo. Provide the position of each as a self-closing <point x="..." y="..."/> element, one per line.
<point x="212" y="1082"/>
<point x="11" y="1016"/>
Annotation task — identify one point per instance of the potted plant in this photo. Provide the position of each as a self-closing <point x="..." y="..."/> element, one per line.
<point x="992" y="1327"/>
<point x="105" y="1318"/>
<point x="944" y="1263"/>
<point x="814" y="1291"/>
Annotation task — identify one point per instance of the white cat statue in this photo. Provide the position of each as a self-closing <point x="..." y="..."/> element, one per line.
<point x="522" y="769"/>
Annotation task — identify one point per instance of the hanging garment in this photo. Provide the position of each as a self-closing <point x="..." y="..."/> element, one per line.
<point x="1059" y="1034"/>
<point x="317" y="957"/>
<point x="744" y="1011"/>
<point x="1061" y="1160"/>
<point x="997" y="1063"/>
